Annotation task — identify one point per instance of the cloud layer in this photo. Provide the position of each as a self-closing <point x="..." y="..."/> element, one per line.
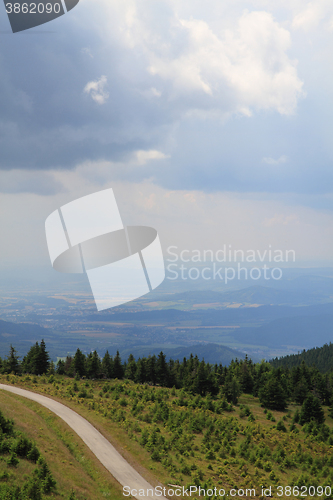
<point x="193" y="109"/>
<point x="159" y="67"/>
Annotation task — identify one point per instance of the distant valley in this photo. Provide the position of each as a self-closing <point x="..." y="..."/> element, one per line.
<point x="262" y="321"/>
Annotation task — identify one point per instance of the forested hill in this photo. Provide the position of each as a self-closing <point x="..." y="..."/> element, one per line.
<point x="320" y="357"/>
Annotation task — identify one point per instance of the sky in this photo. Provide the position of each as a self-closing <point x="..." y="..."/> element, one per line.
<point x="212" y="122"/>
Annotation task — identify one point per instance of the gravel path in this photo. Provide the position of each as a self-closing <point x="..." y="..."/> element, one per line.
<point x="120" y="469"/>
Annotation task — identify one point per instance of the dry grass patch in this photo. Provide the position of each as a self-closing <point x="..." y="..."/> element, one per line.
<point x="72" y="464"/>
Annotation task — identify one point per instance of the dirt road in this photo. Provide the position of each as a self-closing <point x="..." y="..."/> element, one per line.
<point x="120" y="469"/>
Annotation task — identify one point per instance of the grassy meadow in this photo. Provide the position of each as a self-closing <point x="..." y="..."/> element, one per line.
<point x="173" y="437"/>
<point x="74" y="468"/>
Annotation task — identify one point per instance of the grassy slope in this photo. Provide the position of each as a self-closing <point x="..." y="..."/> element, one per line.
<point x="13" y="475"/>
<point x="187" y="459"/>
<point x="71" y="463"/>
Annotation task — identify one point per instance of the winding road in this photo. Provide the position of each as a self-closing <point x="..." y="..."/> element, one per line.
<point x="120" y="469"/>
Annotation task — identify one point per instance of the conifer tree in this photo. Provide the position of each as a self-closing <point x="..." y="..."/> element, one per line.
<point x="151" y="369"/>
<point x="107" y="365"/>
<point x="12" y="364"/>
<point x="80" y="363"/>
<point x="117" y="367"/>
<point x="141" y="371"/>
<point x="162" y="370"/>
<point x="42" y="359"/>
<point x="29" y="363"/>
<point x="311" y="410"/>
<point x="130" y="371"/>
<point x="273" y="395"/>
<point x="60" y="367"/>
<point x="232" y="390"/>
<point x="93" y="365"/>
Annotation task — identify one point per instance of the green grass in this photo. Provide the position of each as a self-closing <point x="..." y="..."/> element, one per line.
<point x="178" y="438"/>
<point x="72" y="465"/>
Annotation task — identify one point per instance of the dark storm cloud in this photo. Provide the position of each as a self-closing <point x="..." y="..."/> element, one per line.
<point x="48" y="121"/>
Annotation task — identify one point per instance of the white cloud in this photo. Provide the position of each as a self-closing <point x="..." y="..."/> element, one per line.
<point x="155" y="92"/>
<point x="96" y="89"/>
<point x="281" y="220"/>
<point x="238" y="67"/>
<point x="310" y="16"/>
<point x="148" y="202"/>
<point x="144" y="156"/>
<point x="87" y="52"/>
<point x="101" y="172"/>
<point x="272" y="161"/>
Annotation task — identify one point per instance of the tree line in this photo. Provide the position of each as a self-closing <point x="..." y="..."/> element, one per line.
<point x="321" y="357"/>
<point x="275" y="387"/>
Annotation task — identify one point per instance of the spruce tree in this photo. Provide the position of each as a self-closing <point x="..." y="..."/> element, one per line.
<point x="61" y="367"/>
<point x="301" y="391"/>
<point x="80" y="363"/>
<point x="232" y="390"/>
<point x="130" y="371"/>
<point x="311" y="410"/>
<point x="43" y="359"/>
<point x="272" y="395"/>
<point x="12" y="364"/>
<point x="141" y="371"/>
<point x="151" y="369"/>
<point x="162" y="370"/>
<point x="29" y="363"/>
<point x="107" y="365"/>
<point x="93" y="365"/>
<point x="117" y="367"/>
